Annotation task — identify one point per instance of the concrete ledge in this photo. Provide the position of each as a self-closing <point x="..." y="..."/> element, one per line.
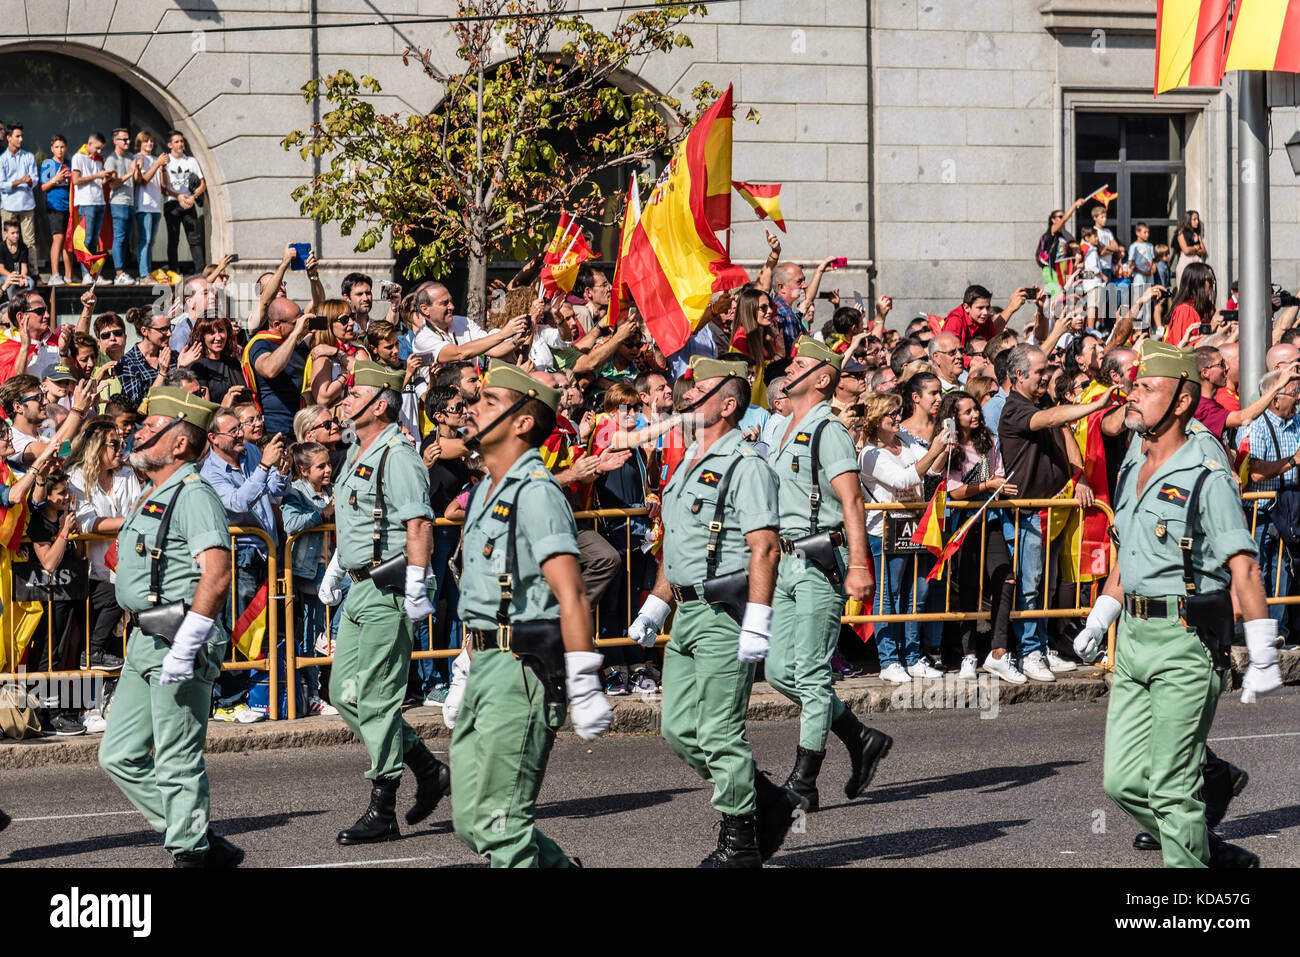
<point x="634" y="715"/>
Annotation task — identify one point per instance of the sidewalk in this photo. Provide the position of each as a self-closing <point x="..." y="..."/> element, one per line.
<point x="633" y="715"/>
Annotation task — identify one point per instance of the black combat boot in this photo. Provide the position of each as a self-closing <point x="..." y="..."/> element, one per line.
<point x="379" y="822"/>
<point x="737" y="843"/>
<point x="1146" y="841"/>
<point x="1225" y="855"/>
<point x="777" y="807"/>
<point x="803" y="779"/>
<point x="867" y="747"/>
<point x="1223" y="782"/>
<point x="432" y="781"/>
<point x="220" y="853"/>
<point x="4" y="820"/>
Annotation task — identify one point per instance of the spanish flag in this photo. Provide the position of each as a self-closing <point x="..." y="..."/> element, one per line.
<point x="18" y="620"/>
<point x="618" y="303"/>
<point x="1087" y="544"/>
<point x="1105" y="195"/>
<point x="566" y="253"/>
<point x="10" y="345"/>
<point x="1265" y="36"/>
<point x="766" y="200"/>
<point x="1190" y="40"/>
<point x="929" y="530"/>
<point x="76" y="234"/>
<point x="675" y="262"/>
<point x="250" y="628"/>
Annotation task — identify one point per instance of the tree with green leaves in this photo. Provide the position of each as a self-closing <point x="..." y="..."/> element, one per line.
<point x="511" y="143"/>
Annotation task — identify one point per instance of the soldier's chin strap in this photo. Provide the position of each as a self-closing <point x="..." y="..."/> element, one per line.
<point x="1159" y="427"/>
<point x="156" y="436"/>
<point x="692" y="406"/>
<point x="815" y="368"/>
<point x="472" y="442"/>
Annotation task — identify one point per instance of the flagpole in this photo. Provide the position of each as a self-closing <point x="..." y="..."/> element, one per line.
<point x="1253" y="231"/>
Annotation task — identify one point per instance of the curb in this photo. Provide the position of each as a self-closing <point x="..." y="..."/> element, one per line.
<point x="866" y="695"/>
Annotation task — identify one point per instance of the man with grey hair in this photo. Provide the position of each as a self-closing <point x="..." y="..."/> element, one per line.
<point x="447" y="337"/>
<point x="1039" y="450"/>
<point x="946" y="356"/>
<point x="778" y="420"/>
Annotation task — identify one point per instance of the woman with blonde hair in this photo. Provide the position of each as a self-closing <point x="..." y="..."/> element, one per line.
<point x="334" y="350"/>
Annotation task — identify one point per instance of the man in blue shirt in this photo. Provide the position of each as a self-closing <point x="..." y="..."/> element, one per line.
<point x="18" y="177"/>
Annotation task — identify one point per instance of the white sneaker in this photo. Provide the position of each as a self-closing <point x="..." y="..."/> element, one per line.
<point x="57" y="280"/>
<point x="94" y="722"/>
<point x="923" y="669"/>
<point x="1005" y="668"/>
<point x="86" y="279"/>
<point x="317" y="706"/>
<point x="1035" y="666"/>
<point x="102" y="280"/>
<point x="969" y="664"/>
<point x="1057" y="664"/>
<point x="246" y="715"/>
<point x="895" y="673"/>
<point x="324" y="645"/>
<point x="122" y="279"/>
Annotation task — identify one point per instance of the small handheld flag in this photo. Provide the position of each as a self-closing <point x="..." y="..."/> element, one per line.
<point x="766" y="200"/>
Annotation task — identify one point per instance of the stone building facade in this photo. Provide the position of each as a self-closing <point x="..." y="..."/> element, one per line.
<point x="926" y="140"/>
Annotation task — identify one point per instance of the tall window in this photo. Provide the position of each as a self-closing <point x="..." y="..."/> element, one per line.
<point x="1139" y="156"/>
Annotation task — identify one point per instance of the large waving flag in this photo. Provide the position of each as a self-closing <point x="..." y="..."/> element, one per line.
<point x="618" y="303"/>
<point x="566" y="253"/>
<point x="1087" y="542"/>
<point x="766" y="200"/>
<point x="75" y="238"/>
<point x="10" y="346"/>
<point x="1265" y="36"/>
<point x="674" y="261"/>
<point x="1190" y="40"/>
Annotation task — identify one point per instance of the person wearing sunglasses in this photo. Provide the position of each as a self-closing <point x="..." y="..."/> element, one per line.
<point x="145" y="366"/>
<point x="25" y="407"/>
<point x="105" y="489"/>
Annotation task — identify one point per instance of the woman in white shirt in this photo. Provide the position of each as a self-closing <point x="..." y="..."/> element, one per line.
<point x="105" y="490"/>
<point x="891" y="469"/>
<point x="148" y="199"/>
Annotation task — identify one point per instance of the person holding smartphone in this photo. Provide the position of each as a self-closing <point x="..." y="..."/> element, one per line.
<point x="1193" y="305"/>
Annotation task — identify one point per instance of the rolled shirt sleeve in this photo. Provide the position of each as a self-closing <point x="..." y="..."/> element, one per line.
<point x="753" y="495"/>
<point x="1223" y="526"/>
<point x="551" y="527"/>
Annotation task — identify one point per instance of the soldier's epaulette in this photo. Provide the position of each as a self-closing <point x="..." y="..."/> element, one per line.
<point x="1195" y="426"/>
<point x="747" y="451"/>
<point x="1212" y="465"/>
<point x="541" y="474"/>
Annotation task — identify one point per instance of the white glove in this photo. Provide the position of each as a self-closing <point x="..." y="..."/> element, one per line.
<point x="649" y="621"/>
<point x="755" y="633"/>
<point x="417" y="596"/>
<point x="456" y="693"/>
<point x="588" y="708"/>
<point x="1262" y="674"/>
<point x="1088" y="643"/>
<point x="192" y="635"/>
<point x="329" y="591"/>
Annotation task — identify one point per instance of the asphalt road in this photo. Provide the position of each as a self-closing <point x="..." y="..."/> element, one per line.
<point x="1023" y="789"/>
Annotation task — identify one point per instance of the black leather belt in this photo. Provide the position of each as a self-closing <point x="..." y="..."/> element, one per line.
<point x="685" y="593"/>
<point x="1140" y="606"/>
<point x="482" y="639"/>
<point x="358" y="575"/>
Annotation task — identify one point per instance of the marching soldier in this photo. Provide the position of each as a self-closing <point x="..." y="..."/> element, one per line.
<point x="385" y="529"/>
<point x="173" y="577"/>
<point x="824" y="546"/>
<point x="527" y="627"/>
<point x="720" y="555"/>
<point x="1185" y="557"/>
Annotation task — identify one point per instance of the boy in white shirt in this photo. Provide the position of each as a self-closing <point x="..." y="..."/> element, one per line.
<point x="182" y="185"/>
<point x="1142" y="254"/>
<point x="88" y="175"/>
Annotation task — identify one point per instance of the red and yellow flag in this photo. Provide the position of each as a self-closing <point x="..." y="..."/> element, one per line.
<point x="929" y="530"/>
<point x="76" y="234"/>
<point x="766" y="200"/>
<point x="1190" y="39"/>
<point x="1265" y="36"/>
<point x="674" y="261"/>
<point x="618" y="302"/>
<point x="250" y="628"/>
<point x="566" y="253"/>
<point x="1105" y="195"/>
<point x="1087" y="544"/>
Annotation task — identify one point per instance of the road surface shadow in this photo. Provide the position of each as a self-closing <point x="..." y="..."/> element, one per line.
<point x="984" y="780"/>
<point x="602" y="805"/>
<point x="1261" y="822"/>
<point x="898" y="846"/>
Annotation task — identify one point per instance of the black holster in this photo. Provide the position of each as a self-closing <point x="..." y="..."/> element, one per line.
<point x="539" y="645"/>
<point x="1211" y="616"/>
<point x="729" y="592"/>
<point x="390" y="576"/>
<point x="163" y="621"/>
<point x="819" y="551"/>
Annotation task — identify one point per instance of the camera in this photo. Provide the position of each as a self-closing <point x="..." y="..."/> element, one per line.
<point x="594" y="401"/>
<point x="1285" y="298"/>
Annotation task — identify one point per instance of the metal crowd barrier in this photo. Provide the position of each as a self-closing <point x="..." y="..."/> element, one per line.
<point x="1251" y="501"/>
<point x="268" y="663"/>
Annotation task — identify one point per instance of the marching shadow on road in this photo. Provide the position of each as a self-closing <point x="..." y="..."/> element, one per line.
<point x="984" y="780"/>
<point x="229" y="827"/>
<point x="1261" y="822"/>
<point x="602" y="805"/>
<point x="898" y="846"/>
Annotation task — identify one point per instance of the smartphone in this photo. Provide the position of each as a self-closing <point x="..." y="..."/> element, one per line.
<point x="1205" y="328"/>
<point x="839" y="263"/>
<point x="318" y="323"/>
<point x="1032" y="292"/>
<point x="234" y="257"/>
<point x="857" y="301"/>
<point x="302" y="250"/>
<point x="950" y="429"/>
<point x="1229" y="315"/>
<point x="825" y="294"/>
<point x="65" y="449"/>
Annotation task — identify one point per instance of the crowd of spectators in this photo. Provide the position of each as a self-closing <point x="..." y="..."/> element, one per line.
<point x="993" y="400"/>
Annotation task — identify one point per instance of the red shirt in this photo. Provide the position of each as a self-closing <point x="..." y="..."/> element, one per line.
<point x="1184" y="317"/>
<point x="1212" y="415"/>
<point x="961" y="325"/>
<point x="1228" y="399"/>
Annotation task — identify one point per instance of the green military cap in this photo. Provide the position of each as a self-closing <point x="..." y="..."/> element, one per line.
<point x="702" y="367"/>
<point x="179" y="404"/>
<point x="503" y="375"/>
<point x="372" y="373"/>
<point x="1166" y="361"/>
<point x="808" y="346"/>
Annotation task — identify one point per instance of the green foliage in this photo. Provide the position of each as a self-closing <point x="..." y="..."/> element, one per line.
<point x="510" y="144"/>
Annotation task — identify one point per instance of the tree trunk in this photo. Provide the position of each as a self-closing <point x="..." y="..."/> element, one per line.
<point x="476" y="285"/>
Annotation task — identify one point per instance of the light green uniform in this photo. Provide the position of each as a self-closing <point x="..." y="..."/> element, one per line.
<point x="505" y="731"/>
<point x="169" y="786"/>
<point x="805" y="608"/>
<point x="1165" y="688"/>
<point x="705" y="688"/>
<point x="373" y="652"/>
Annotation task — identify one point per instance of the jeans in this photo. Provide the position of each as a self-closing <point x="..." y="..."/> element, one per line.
<point x="121" y="233"/>
<point x="94" y="219"/>
<point x="177" y="217"/>
<point x="448" y="625"/>
<point x="146" y="228"/>
<point x="1267" y="541"/>
<point x="1030" y="633"/>
<point x="895" y="591"/>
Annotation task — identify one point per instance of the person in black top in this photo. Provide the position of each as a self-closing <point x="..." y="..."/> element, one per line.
<point x="211" y="356"/>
